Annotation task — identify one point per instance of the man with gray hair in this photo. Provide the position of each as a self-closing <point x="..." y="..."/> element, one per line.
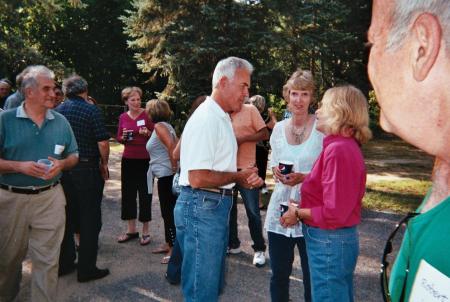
<point x="36" y="144"/>
<point x="208" y="175"/>
<point x="83" y="185"/>
<point x="412" y="38"/>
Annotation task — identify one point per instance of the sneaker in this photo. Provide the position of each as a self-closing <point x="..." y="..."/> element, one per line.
<point x="264" y="190"/>
<point x="234" y="251"/>
<point x="259" y="259"/>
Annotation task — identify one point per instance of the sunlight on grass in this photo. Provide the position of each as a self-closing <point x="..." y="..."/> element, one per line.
<point x="400" y="196"/>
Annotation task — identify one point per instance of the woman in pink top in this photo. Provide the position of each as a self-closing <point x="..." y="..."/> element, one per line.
<point x="134" y="131"/>
<point x="331" y="195"/>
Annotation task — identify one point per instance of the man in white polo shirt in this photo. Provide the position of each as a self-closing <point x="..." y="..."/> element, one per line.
<point x="208" y="174"/>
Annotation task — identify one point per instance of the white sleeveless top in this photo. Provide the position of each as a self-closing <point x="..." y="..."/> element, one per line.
<point x="303" y="156"/>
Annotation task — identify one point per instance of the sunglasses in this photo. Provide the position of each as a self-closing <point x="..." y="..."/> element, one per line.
<point x="385" y="264"/>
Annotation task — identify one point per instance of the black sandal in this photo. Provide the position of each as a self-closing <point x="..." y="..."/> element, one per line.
<point x="128" y="237"/>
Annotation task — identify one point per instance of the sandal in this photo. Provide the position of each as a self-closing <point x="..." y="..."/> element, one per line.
<point x="165" y="259"/>
<point x="145" y="239"/>
<point x="127" y="237"/>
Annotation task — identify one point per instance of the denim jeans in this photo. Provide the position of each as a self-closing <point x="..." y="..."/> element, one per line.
<point x="251" y="200"/>
<point x="332" y="256"/>
<point x="201" y="220"/>
<point x="281" y="251"/>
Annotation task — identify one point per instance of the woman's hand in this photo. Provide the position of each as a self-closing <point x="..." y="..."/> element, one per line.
<point x="144" y="131"/>
<point x="289" y="218"/>
<point x="277" y="174"/>
<point x="293" y="179"/>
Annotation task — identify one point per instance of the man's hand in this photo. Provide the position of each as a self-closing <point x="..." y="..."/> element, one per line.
<point x="31" y="168"/>
<point x="248" y="178"/>
<point x="55" y="169"/>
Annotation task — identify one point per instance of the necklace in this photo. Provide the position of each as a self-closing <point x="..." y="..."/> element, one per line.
<point x="298" y="133"/>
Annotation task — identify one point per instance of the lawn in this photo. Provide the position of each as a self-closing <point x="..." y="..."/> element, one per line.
<point x="398" y="175"/>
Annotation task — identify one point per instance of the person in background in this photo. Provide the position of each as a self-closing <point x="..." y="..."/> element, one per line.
<point x="413" y="38"/>
<point x="5" y="91"/>
<point x="83" y="185"/>
<point x="331" y="195"/>
<point x="296" y="140"/>
<point x="59" y="94"/>
<point x="249" y="128"/>
<point x="15" y="99"/>
<point x="163" y="166"/>
<point x="208" y="174"/>
<point x="262" y="147"/>
<point x="32" y="201"/>
<point x="134" y="131"/>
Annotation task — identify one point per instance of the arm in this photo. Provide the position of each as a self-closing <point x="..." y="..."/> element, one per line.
<point x="103" y="148"/>
<point x="61" y="164"/>
<point x="168" y="141"/>
<point x="261" y="135"/>
<point x="30" y="168"/>
<point x="273" y="119"/>
<point x="213" y="179"/>
<point x="176" y="151"/>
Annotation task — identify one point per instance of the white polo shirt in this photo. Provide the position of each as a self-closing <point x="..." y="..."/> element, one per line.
<point x="208" y="142"/>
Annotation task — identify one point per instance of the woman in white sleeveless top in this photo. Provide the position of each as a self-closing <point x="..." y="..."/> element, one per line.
<point x="297" y="141"/>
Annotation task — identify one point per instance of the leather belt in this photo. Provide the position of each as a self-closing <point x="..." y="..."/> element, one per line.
<point x="30" y="190"/>
<point x="88" y="160"/>
<point x="226" y="192"/>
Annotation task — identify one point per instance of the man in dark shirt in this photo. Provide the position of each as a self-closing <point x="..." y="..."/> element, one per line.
<point x="83" y="185"/>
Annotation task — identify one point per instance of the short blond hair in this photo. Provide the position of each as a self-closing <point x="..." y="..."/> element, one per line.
<point x="127" y="91"/>
<point x="346" y="107"/>
<point x="158" y="110"/>
<point x="299" y="80"/>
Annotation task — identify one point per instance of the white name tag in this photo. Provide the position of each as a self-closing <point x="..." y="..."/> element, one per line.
<point x="59" y="149"/>
<point x="141" y="123"/>
<point x="430" y="285"/>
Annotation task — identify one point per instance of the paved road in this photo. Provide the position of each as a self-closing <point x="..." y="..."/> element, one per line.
<point x="137" y="275"/>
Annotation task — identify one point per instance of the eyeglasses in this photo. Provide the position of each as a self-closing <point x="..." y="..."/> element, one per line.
<point x="387" y="250"/>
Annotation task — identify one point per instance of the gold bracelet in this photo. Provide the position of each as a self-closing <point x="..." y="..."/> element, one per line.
<point x="297" y="215"/>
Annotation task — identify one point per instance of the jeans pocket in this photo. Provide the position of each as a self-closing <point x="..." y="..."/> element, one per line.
<point x="317" y="235"/>
<point x="210" y="202"/>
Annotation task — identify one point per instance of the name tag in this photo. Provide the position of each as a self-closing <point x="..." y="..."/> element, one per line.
<point x="141" y="123"/>
<point x="59" y="149"/>
<point x="430" y="285"/>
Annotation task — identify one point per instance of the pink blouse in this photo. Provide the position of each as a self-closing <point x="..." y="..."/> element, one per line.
<point x="336" y="185"/>
<point x="134" y="148"/>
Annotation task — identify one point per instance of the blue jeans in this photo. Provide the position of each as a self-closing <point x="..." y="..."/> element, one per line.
<point x="281" y="251"/>
<point x="332" y="256"/>
<point x="251" y="200"/>
<point x="201" y="219"/>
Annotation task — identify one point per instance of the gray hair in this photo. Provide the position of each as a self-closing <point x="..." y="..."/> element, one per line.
<point x="227" y="68"/>
<point x="259" y="102"/>
<point x="74" y="85"/>
<point x="404" y="11"/>
<point x="30" y="77"/>
<point x="21" y="75"/>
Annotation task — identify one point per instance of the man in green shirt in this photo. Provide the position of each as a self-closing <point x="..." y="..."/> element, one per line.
<point x="412" y="37"/>
<point x="32" y="201"/>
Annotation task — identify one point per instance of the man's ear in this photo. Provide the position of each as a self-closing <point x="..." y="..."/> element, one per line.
<point x="426" y="35"/>
<point x="223" y="81"/>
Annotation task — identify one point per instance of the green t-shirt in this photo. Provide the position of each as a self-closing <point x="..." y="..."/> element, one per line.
<point x="427" y="237"/>
<point x="22" y="140"/>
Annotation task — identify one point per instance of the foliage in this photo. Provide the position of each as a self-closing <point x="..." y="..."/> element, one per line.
<point x="183" y="40"/>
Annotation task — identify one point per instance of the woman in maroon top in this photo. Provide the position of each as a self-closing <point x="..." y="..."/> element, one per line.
<point x="332" y="193"/>
<point x="134" y="131"/>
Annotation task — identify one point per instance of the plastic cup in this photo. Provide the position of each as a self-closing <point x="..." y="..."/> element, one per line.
<point x="285" y="166"/>
<point x="46" y="162"/>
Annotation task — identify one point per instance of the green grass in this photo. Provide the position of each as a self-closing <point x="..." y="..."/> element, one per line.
<point x="401" y="196"/>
